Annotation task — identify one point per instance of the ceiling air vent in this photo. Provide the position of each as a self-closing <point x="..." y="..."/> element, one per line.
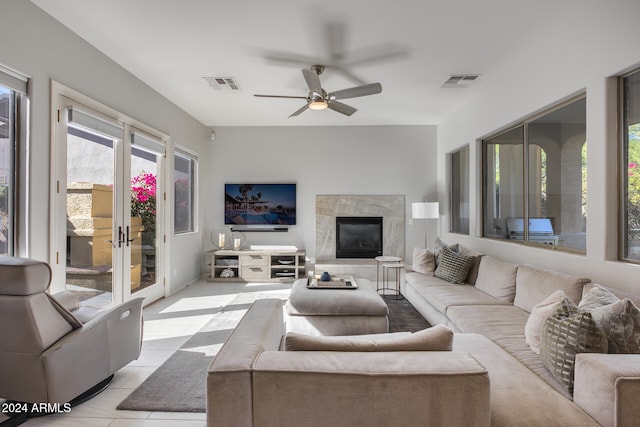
<point x="222" y="83"/>
<point x="460" y="80"/>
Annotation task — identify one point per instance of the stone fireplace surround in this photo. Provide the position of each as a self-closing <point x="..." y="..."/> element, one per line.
<point x="328" y="207"/>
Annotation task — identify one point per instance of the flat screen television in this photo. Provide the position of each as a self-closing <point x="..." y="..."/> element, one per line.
<point x="260" y="204"/>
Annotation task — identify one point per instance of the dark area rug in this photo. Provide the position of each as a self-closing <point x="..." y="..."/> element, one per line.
<point x="403" y="316"/>
<point x="179" y="385"/>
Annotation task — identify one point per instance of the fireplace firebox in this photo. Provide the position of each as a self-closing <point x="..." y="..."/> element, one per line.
<point x="358" y="236"/>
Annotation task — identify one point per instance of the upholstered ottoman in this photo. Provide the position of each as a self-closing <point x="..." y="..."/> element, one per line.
<point x="336" y="311"/>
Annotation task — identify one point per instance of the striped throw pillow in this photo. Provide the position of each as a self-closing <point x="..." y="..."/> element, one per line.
<point x="453" y="266"/>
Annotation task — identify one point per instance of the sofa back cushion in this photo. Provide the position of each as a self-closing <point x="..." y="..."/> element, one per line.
<point x="497" y="278"/>
<point x="635" y="296"/>
<point x="534" y="284"/>
<point x="437" y="338"/>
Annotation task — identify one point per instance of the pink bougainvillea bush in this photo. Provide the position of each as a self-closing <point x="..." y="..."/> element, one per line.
<point x="143" y="199"/>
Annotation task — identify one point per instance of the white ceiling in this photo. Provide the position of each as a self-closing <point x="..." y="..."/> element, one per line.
<point x="412" y="47"/>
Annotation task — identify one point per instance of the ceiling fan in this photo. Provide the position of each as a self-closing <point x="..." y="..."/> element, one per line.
<point x="319" y="99"/>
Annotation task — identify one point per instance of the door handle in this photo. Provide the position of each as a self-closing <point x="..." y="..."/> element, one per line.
<point x="128" y="240"/>
<point x="120" y="237"/>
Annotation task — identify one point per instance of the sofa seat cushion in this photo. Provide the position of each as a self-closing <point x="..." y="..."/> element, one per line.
<point x="534" y="284"/>
<point x="424" y="307"/>
<point x="504" y="325"/>
<point x="437" y="338"/>
<point x="491" y="321"/>
<point x="419" y="279"/>
<point x="445" y="296"/>
<point x="519" y="397"/>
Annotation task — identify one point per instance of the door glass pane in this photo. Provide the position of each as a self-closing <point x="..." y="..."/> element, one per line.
<point x="144" y="229"/>
<point x="7" y="122"/>
<point x="557" y="161"/>
<point x="503" y="185"/>
<point x="90" y="215"/>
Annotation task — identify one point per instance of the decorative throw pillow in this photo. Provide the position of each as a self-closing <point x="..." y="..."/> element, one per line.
<point x="620" y="323"/>
<point x="473" y="271"/>
<point x="436" y="338"/>
<point x="595" y="297"/>
<point x="539" y="313"/>
<point x="566" y="333"/>
<point x="453" y="267"/>
<point x="437" y="248"/>
<point x="423" y="261"/>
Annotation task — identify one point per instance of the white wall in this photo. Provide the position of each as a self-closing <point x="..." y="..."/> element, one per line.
<point x="322" y="160"/>
<point x="36" y="45"/>
<point x="600" y="43"/>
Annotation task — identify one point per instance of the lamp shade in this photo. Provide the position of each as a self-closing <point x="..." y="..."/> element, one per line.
<point x="425" y="210"/>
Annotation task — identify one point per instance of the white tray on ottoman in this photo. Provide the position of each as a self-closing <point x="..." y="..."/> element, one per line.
<point x="336" y="311"/>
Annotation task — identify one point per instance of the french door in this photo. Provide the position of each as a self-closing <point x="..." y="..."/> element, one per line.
<point x="107" y="221"/>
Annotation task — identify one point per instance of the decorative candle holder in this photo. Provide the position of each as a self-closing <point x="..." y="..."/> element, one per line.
<point x="221" y="237"/>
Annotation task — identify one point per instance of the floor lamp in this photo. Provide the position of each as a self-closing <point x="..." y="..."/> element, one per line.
<point x="425" y="210"/>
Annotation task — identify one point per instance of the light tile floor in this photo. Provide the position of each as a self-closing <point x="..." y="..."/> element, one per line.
<point x="169" y="323"/>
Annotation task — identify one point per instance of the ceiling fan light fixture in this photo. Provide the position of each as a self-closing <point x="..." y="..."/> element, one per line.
<point x="319" y="104"/>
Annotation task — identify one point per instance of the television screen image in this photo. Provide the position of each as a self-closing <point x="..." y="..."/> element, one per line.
<point x="260" y="204"/>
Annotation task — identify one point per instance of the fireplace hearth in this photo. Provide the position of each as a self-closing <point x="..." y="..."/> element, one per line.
<point x="359" y="237"/>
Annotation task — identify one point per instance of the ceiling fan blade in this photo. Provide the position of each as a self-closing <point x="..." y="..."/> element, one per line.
<point x="289" y="58"/>
<point x="354" y="92"/>
<point x="335" y="33"/>
<point x="279" y="96"/>
<point x="345" y="109"/>
<point x="300" y="110"/>
<point x="313" y="80"/>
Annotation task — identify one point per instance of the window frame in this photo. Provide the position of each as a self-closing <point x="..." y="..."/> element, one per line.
<point x="193" y="160"/>
<point x="524" y="123"/>
<point x="455" y="202"/>
<point x="624" y="167"/>
<point x="18" y="85"/>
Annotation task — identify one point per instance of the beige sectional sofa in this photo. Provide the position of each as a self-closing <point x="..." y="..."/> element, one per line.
<point x="252" y="382"/>
<point x="495" y="304"/>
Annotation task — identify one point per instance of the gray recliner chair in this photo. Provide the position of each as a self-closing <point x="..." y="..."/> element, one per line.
<point x="47" y="353"/>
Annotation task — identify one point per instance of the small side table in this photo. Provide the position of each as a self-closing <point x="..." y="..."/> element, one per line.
<point x="379" y="261"/>
<point x="397" y="268"/>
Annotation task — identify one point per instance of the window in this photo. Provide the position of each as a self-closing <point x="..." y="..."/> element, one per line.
<point x="459" y="182"/>
<point x="12" y="118"/>
<point x="630" y="85"/>
<point x="184" y="189"/>
<point x="534" y="179"/>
